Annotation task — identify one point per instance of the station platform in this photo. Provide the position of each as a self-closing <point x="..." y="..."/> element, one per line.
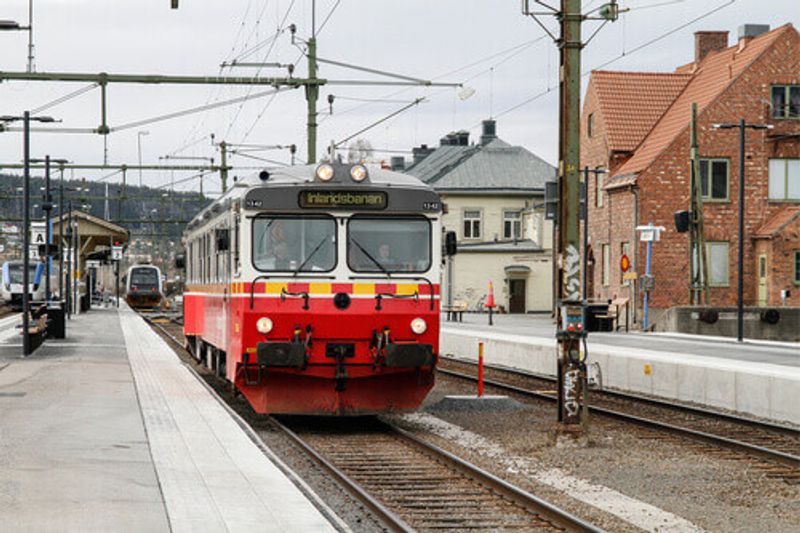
<point x="757" y="378"/>
<point x="108" y="431"/>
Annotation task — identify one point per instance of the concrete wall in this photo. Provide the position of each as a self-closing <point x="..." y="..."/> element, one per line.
<point x="759" y="389"/>
<point x="686" y="320"/>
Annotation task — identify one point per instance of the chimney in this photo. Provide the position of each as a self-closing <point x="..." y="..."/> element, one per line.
<point x="708" y="41"/>
<point x="398" y="163"/>
<point x="421" y="152"/>
<point x="749" y="31"/>
<point x="489" y="131"/>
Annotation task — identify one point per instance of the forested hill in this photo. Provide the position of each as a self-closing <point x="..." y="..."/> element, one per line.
<point x="143" y="210"/>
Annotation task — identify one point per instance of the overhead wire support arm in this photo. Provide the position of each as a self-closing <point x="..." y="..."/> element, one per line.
<point x="373" y="71"/>
<point x="378" y="122"/>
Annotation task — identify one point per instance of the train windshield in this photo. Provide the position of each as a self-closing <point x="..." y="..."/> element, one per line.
<point x="389" y="244"/>
<point x="297" y="244"/>
<point x="15" y="273"/>
<point x="144" y="277"/>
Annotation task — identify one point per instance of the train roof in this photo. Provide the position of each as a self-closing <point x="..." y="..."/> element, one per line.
<point x="299" y="175"/>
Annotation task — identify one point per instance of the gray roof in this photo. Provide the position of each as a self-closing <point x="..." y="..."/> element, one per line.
<point x="493" y="166"/>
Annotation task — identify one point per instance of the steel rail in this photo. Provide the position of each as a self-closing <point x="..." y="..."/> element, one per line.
<point x="357" y="491"/>
<point x="522" y="497"/>
<point x="760" y="451"/>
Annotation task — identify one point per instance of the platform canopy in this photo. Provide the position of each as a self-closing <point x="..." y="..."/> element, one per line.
<point x="96" y="235"/>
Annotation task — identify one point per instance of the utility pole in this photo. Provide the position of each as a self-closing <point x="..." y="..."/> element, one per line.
<point x="312" y="88"/>
<point x="570" y="331"/>
<point x="698" y="271"/>
<point x="31" y="67"/>
<point x="26" y="241"/>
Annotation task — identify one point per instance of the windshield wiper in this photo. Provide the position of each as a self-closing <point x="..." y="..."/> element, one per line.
<point x="369" y="256"/>
<point x="304" y="263"/>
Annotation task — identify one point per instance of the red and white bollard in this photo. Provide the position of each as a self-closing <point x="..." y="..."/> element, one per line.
<point x="480" y="369"/>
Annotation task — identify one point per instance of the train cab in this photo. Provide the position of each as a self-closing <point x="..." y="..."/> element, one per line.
<point x="315" y="290"/>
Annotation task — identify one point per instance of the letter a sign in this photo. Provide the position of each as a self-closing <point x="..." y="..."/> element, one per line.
<point x="38" y="233"/>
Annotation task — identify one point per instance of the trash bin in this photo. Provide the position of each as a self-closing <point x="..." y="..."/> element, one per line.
<point x="85" y="303"/>
<point x="56" y="320"/>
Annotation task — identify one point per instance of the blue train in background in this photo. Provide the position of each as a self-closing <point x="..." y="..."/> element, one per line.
<point x="11" y="288"/>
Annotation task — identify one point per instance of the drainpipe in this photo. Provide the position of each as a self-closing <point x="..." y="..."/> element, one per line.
<point x="635" y="247"/>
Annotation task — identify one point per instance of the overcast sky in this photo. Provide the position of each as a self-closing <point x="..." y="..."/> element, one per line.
<point x="420" y="38"/>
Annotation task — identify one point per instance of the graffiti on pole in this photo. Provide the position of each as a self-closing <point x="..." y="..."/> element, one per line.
<point x="572" y="274"/>
<point x="572" y="384"/>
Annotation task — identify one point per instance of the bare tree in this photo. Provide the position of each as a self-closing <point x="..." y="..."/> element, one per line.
<point x="360" y="151"/>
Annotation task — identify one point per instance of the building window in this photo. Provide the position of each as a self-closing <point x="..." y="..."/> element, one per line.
<point x="786" y="101"/>
<point x="598" y="190"/>
<point x="784" y="179"/>
<point x="717" y="256"/>
<point x="512" y="224"/>
<point x="590" y="125"/>
<point x="715" y="188"/>
<point x="797" y="267"/>
<point x="624" y="249"/>
<point x="606" y="265"/>
<point x="472" y="224"/>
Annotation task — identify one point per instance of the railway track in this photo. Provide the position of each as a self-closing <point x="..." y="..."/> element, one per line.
<point x="416" y="486"/>
<point x="771" y="448"/>
<point x="408" y="483"/>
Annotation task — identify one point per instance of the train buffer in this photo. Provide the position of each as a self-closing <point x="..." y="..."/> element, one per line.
<point x="113" y="432"/>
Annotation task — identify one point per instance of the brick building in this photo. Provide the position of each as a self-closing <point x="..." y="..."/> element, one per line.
<point x="636" y="125"/>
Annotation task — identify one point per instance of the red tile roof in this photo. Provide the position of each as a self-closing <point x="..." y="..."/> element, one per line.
<point x="632" y="102"/>
<point x="779" y="220"/>
<point x="712" y="76"/>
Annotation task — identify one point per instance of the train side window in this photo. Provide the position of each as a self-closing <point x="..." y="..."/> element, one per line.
<point x="236" y="265"/>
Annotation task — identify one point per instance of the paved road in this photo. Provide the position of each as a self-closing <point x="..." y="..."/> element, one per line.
<point x="786" y="353"/>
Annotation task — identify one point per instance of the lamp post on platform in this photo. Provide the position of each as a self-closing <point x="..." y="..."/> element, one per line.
<point x="742" y="125"/>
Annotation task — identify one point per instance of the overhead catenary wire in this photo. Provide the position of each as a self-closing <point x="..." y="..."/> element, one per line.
<point x="200" y="109"/>
<point x="617" y="58"/>
<point x="62" y="99"/>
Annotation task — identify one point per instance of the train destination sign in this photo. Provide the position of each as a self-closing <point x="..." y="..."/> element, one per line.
<point x="355" y="200"/>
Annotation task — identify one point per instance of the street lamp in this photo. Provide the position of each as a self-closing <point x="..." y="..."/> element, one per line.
<point x="26" y="119"/>
<point x="139" y="142"/>
<point x="742" y="126"/>
<point x="12" y="25"/>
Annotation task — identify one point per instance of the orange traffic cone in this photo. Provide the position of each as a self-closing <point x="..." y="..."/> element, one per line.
<point x="490" y="297"/>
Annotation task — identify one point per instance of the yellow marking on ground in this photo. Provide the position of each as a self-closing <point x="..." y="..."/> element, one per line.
<point x="320" y="288"/>
<point x="363" y="288"/>
<point x="648" y="369"/>
<point x="406" y="288"/>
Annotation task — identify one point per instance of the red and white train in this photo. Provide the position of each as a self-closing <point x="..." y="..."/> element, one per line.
<point x="315" y="290"/>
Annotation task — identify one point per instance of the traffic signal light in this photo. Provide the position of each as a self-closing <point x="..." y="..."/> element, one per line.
<point x="681" y="221"/>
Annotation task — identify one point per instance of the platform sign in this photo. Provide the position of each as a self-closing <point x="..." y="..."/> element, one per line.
<point x="650" y="233"/>
<point x="92" y="263"/>
<point x="116" y="253"/>
<point x="624" y="263"/>
<point x="38" y="234"/>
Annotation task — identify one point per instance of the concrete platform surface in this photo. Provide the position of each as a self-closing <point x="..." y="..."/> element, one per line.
<point x="754" y="378"/>
<point x="108" y="431"/>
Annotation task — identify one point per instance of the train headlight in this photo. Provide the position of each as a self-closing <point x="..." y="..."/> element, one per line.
<point x="419" y="326"/>
<point x="325" y="172"/>
<point x="358" y="173"/>
<point x="264" y="325"/>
